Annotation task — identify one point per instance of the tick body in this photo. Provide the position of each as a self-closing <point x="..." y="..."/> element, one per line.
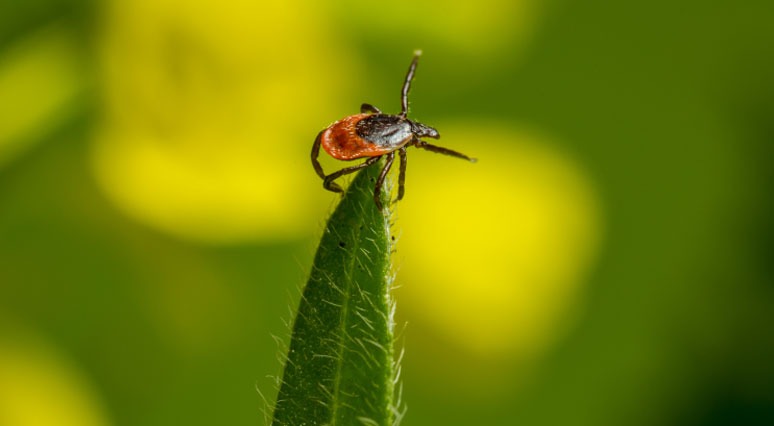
<point x="373" y="135"/>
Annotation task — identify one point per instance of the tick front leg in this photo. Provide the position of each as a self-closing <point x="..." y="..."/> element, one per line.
<point x="380" y="180"/>
<point x="332" y="186"/>
<point x="402" y="174"/>
<point x="445" y="151"/>
<point x="364" y="108"/>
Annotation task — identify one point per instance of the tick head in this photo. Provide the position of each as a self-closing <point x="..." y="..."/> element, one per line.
<point x="424" y="131"/>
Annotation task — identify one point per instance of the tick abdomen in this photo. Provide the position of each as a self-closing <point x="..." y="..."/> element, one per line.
<point x="342" y="142"/>
<point x="365" y="135"/>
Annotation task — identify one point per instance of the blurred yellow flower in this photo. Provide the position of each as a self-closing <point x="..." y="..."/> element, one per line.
<point x="40" y="388"/>
<point x="211" y="115"/>
<point x="498" y="249"/>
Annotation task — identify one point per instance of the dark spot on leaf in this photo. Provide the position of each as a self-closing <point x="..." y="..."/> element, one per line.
<point x="342" y="244"/>
<point x="392" y="237"/>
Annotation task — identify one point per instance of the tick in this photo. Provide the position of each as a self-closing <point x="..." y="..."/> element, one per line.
<point x="373" y="134"/>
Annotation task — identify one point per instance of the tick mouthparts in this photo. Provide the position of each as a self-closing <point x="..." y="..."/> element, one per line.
<point x="424" y="131"/>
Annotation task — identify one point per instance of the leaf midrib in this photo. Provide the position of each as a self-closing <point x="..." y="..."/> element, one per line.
<point x="342" y="325"/>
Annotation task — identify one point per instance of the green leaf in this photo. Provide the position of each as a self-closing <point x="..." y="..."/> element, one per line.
<point x="339" y="368"/>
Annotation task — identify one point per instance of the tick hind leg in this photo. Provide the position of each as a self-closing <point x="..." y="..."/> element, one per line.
<point x="380" y="180"/>
<point x="332" y="186"/>
<point x="315" y="154"/>
<point x="328" y="180"/>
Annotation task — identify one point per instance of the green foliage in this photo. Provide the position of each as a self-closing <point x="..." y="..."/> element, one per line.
<point x="339" y="369"/>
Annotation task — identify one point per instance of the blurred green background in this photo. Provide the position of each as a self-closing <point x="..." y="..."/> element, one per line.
<point x="607" y="262"/>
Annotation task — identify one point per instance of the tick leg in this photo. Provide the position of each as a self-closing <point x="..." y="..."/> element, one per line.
<point x="369" y="108"/>
<point x="315" y="154"/>
<point x="380" y="179"/>
<point x="328" y="180"/>
<point x="444" y="151"/>
<point x="407" y="84"/>
<point x="402" y="174"/>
